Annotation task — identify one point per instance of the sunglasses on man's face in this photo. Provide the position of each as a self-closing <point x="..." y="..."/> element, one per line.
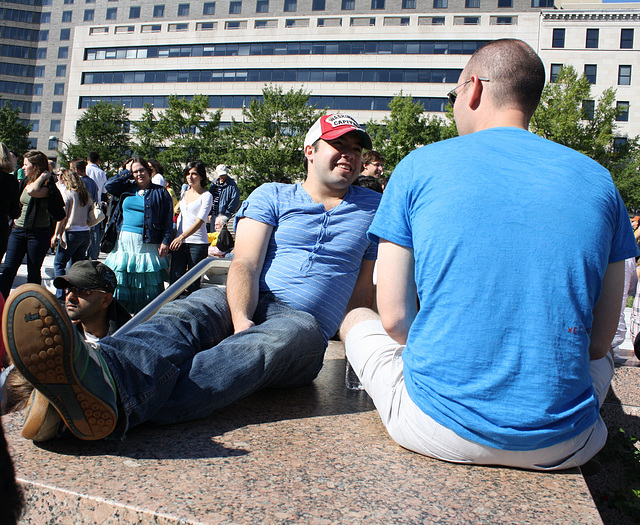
<point x="452" y="95"/>
<point x="81" y="292"/>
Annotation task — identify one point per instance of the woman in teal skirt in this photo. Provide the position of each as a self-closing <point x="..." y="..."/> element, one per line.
<point x="144" y="219"/>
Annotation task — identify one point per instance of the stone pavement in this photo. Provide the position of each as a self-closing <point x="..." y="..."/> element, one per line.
<point x="317" y="454"/>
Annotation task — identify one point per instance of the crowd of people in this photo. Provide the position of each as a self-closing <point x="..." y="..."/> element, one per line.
<point x="499" y="375"/>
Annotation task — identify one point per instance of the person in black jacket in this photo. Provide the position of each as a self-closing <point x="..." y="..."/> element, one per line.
<point x="41" y="203"/>
<point x="144" y="219"/>
<point x="9" y="203"/>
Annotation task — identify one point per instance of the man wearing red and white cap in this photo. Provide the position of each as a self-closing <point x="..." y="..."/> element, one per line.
<point x="301" y="260"/>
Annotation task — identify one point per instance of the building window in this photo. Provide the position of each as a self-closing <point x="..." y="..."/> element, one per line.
<point x="437" y="20"/>
<point x="377" y="4"/>
<point x="591" y="71"/>
<point x="41" y="53"/>
<point x="152" y="28"/>
<point x="55" y="125"/>
<point x="58" y="89"/>
<point x="61" y="71"/>
<point x="626" y="39"/>
<point x="88" y="15"/>
<point x="53" y="144"/>
<point x="619" y="143"/>
<point x="318" y="5"/>
<point x="329" y="22"/>
<point x="134" y="11"/>
<point x="68" y="2"/>
<point x="623" y="111"/>
<point x="46" y="17"/>
<point x="360" y="21"/>
<point x="67" y="16"/>
<point x="183" y="9"/>
<point x="588" y="109"/>
<point x="348" y="5"/>
<point x="558" y="38"/>
<point x="240" y="24"/>
<point x="33" y="143"/>
<point x="408" y="4"/>
<point x="158" y="11"/>
<point x="440" y="4"/>
<point x="39" y="71"/>
<point x="505" y="3"/>
<point x="290" y="6"/>
<point x="56" y="107"/>
<point x="541" y="3"/>
<point x="209" y="8"/>
<point x="262" y="6"/>
<point x="90" y="1"/>
<point x="235" y="7"/>
<point x="112" y="13"/>
<point x="264" y="24"/>
<point x="592" y="38"/>
<point x="555" y="71"/>
<point x="63" y="52"/>
<point x="65" y="34"/>
<point x="472" y="3"/>
<point x="624" y="75"/>
<point x="178" y="27"/>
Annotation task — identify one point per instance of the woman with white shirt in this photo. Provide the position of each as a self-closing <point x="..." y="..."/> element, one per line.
<point x="190" y="246"/>
<point x="73" y="234"/>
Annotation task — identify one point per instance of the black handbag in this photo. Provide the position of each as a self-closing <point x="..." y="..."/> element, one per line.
<point x="109" y="238"/>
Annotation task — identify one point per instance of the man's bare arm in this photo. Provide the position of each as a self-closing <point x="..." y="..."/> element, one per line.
<point x="362" y="296"/>
<point x="606" y="313"/>
<point x="396" y="289"/>
<point x="252" y="239"/>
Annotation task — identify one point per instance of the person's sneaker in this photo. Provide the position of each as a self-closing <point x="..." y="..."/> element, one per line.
<point x="41" y="421"/>
<point x="49" y="352"/>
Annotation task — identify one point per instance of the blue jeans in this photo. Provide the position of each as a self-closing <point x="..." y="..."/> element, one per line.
<point x="33" y="243"/>
<point x="186" y="258"/>
<point x="76" y="250"/>
<point x="185" y="362"/>
<point x="96" y="236"/>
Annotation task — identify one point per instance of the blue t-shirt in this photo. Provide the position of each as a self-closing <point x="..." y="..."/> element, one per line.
<point x="314" y="256"/>
<point x="133" y="214"/>
<point x="511" y="235"/>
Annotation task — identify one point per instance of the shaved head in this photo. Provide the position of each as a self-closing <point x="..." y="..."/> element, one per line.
<point x="515" y="71"/>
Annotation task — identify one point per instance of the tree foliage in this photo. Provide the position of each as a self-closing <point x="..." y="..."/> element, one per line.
<point x="146" y="138"/>
<point x="405" y="129"/>
<point x="104" y="128"/>
<point x="186" y="131"/>
<point x="267" y="145"/>
<point x="561" y="117"/>
<point x="13" y="131"/>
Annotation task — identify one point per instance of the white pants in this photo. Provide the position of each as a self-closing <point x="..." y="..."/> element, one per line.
<point x="377" y="359"/>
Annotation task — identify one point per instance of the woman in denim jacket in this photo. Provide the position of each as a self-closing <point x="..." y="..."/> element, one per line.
<point x="144" y="219"/>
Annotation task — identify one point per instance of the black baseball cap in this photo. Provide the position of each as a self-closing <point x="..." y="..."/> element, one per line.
<point x="88" y="275"/>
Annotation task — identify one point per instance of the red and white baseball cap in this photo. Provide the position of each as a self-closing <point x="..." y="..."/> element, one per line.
<point x="331" y="127"/>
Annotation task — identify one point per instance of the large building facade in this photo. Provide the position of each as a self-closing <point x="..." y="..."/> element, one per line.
<point x="58" y="57"/>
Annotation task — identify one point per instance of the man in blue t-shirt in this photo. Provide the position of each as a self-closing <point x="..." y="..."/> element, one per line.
<point x="301" y="260"/>
<point x="506" y="361"/>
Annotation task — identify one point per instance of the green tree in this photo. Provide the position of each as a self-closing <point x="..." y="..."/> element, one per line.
<point x="104" y="128"/>
<point x="561" y="115"/>
<point x="186" y="131"/>
<point x="146" y="138"/>
<point x="405" y="129"/>
<point x="268" y="144"/>
<point x="13" y="131"/>
<point x="565" y="116"/>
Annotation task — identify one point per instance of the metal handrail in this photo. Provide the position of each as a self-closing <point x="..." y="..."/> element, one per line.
<point x="172" y="292"/>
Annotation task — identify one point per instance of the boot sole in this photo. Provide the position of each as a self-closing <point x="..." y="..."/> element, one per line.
<point x="39" y="337"/>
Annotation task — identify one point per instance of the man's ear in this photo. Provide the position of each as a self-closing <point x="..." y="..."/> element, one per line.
<point x="476" y="92"/>
<point x="308" y="152"/>
<point x="107" y="299"/>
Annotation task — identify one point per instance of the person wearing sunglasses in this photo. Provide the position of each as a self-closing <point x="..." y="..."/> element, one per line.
<point x="514" y="371"/>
